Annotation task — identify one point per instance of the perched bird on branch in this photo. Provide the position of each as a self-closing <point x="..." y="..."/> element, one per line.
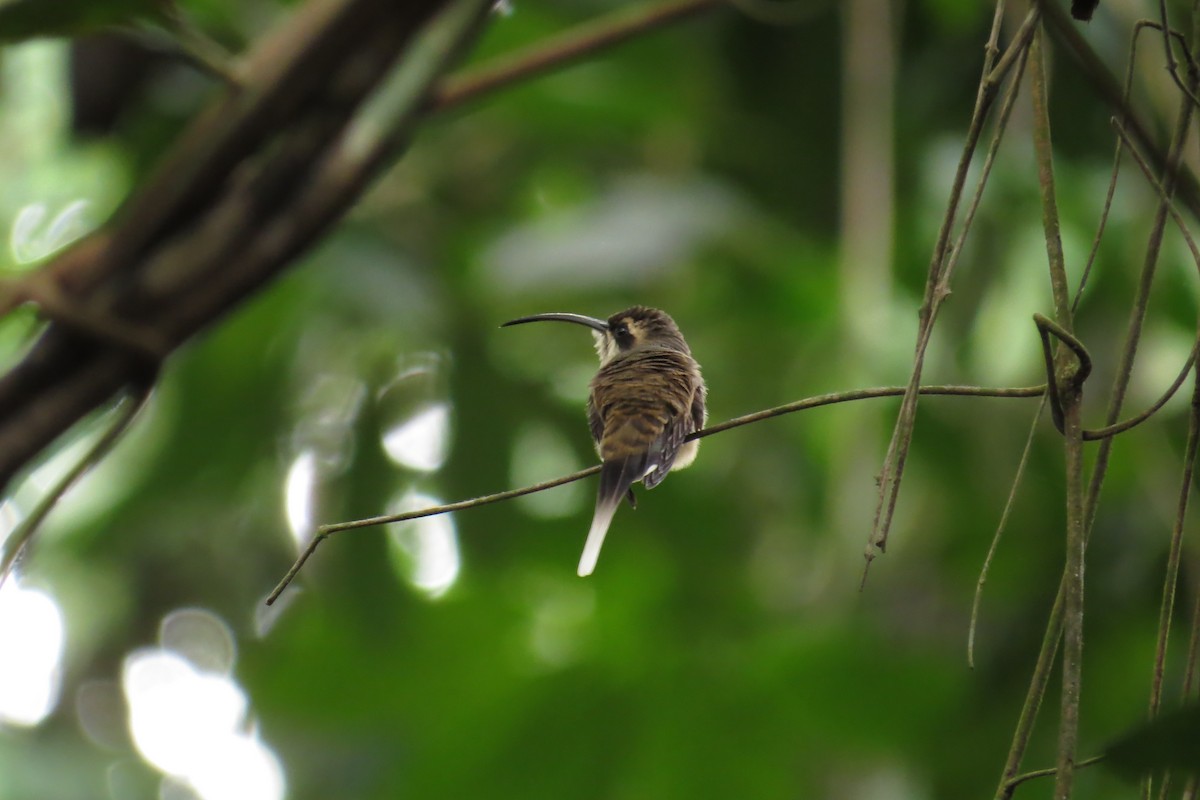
<point x="646" y="398"/>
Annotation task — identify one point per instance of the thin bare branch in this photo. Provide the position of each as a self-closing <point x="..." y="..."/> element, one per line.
<point x="1176" y="180"/>
<point x="1172" y="65"/>
<point x="1111" y="91"/>
<point x="937" y="286"/>
<point x="1013" y="783"/>
<point x="1065" y="392"/>
<point x="1092" y="435"/>
<point x="1163" y="196"/>
<point x="1190" y="674"/>
<point x="1006" y="107"/>
<point x="1175" y="551"/>
<point x="21" y="536"/>
<point x="833" y="398"/>
<point x="325" y="531"/>
<point x="563" y="49"/>
<point x="1000" y="526"/>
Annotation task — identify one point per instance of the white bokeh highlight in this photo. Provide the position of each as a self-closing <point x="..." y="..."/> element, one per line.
<point x="421" y="441"/>
<point x="425" y="550"/>
<point x="192" y="724"/>
<point x="299" y="497"/>
<point x="32" y="630"/>
<point x="541" y="452"/>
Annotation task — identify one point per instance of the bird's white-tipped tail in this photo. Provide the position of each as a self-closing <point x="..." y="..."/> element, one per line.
<point x="595" y="537"/>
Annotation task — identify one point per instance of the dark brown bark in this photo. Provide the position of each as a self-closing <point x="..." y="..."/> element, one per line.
<point x="252" y="182"/>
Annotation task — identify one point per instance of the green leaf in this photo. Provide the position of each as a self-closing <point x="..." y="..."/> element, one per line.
<point x="1170" y="741"/>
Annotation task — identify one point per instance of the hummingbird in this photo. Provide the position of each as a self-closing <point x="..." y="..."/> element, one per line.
<point x="646" y="398"/>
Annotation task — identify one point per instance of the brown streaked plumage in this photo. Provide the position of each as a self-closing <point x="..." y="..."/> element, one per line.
<point x="644" y="401"/>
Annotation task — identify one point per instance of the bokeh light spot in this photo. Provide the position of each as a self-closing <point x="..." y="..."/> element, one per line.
<point x="177" y="713"/>
<point x="542" y="452"/>
<point x="31" y="628"/>
<point x="560" y="624"/>
<point x="425" y="550"/>
<point x="31" y="240"/>
<point x="191" y="722"/>
<point x="420" y="442"/>
<point x="201" y="637"/>
<point x="641" y="227"/>
<point x="299" y="496"/>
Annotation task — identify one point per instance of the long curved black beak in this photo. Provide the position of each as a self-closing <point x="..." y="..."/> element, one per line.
<point x="558" y="316"/>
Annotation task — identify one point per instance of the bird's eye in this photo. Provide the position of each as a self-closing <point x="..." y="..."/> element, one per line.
<point x="622" y="335"/>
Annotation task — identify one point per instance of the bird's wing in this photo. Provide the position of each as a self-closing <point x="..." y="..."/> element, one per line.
<point x="666" y="446"/>
<point x="670" y="412"/>
<point x="595" y="421"/>
<point x="699" y="406"/>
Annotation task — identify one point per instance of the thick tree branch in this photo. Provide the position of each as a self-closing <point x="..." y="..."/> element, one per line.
<point x="254" y="181"/>
<point x="217" y="193"/>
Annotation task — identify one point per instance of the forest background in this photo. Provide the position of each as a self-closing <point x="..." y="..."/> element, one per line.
<point x="780" y="177"/>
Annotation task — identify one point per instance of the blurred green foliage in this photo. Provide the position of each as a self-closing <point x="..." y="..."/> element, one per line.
<point x="1171" y="741"/>
<point x="28" y="19"/>
<point x="723" y="648"/>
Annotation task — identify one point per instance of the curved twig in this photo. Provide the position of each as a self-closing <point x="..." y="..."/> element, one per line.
<point x="937" y="284"/>
<point x="833" y="398"/>
<point x="23" y="534"/>
<point x="1016" y="781"/>
<point x="561" y="50"/>
<point x="1046" y="327"/>
<point x="1172" y="65"/>
<point x="995" y="545"/>
<point x="1177" y="181"/>
<point x="325" y="531"/>
<point x="1089" y="435"/>
<point x="1096" y="434"/>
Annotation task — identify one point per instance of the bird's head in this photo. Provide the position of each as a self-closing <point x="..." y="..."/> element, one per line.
<point x="632" y="329"/>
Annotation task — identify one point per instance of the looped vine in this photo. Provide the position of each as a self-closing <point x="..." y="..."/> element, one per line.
<point x="1047" y="327"/>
